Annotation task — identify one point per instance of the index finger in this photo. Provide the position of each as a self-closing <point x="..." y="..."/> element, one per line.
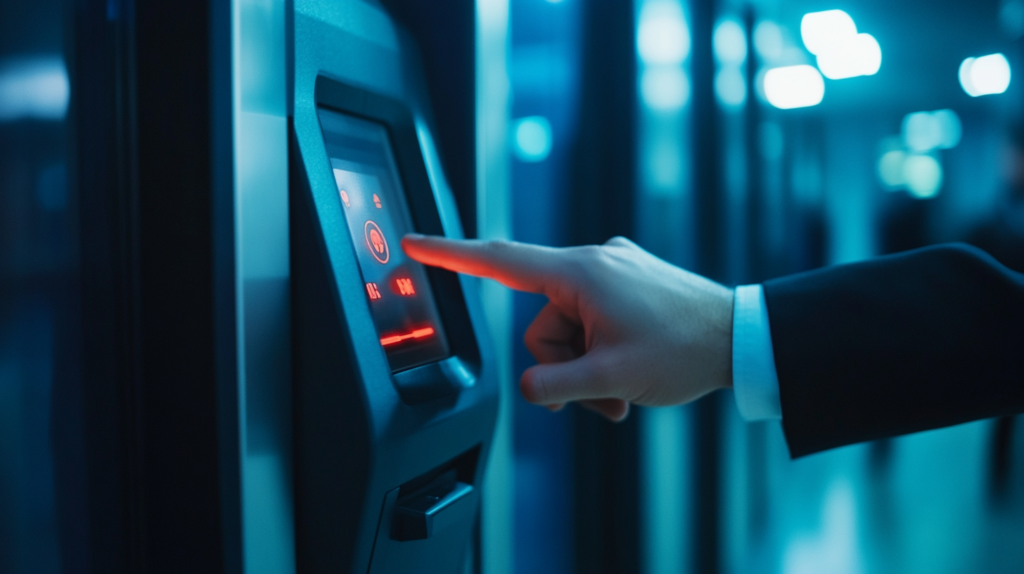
<point x="521" y="266"/>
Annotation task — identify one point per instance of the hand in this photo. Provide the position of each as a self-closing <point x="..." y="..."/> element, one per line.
<point x="621" y="326"/>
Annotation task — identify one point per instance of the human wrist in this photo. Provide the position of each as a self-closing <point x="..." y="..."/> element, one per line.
<point x="711" y="321"/>
<point x="725" y="326"/>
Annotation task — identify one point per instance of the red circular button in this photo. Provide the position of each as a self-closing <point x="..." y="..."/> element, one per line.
<point x="376" y="243"/>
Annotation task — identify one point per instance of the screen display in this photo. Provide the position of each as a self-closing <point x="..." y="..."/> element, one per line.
<point x="371" y="195"/>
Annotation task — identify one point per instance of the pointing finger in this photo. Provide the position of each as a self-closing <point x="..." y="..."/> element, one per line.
<point x="520" y="266"/>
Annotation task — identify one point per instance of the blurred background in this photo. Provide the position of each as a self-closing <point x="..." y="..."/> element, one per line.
<point x="746" y="140"/>
<point x="740" y="139"/>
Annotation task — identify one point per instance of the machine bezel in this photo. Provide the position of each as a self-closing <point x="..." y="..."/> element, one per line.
<point x="461" y="369"/>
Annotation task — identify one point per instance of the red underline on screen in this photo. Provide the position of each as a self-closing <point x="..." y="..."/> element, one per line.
<point x="414" y="334"/>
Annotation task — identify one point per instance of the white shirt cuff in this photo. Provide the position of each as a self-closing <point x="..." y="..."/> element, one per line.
<point x="754" y="380"/>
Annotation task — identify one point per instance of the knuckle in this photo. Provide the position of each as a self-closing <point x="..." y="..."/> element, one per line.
<point x="591" y="252"/>
<point x="499" y="246"/>
<point x="586" y="259"/>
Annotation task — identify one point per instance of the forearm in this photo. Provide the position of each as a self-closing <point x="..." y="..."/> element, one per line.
<point x="896" y="345"/>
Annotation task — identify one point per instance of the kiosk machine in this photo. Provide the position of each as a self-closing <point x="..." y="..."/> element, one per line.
<point x="395" y="392"/>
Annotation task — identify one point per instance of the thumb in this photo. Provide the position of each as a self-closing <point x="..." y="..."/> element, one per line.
<point x="576" y="380"/>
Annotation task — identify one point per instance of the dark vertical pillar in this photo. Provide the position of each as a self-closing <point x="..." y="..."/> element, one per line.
<point x="445" y="32"/>
<point x="607" y="496"/>
<point x="603" y="194"/>
<point x="707" y="144"/>
<point x="756" y="253"/>
<point x="97" y="66"/>
<point x="604" y="176"/>
<point x="177" y="381"/>
<point x="151" y="110"/>
<point x="710" y="204"/>
<point x="707" y="478"/>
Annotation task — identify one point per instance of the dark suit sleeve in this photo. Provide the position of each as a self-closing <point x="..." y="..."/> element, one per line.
<point x="895" y="345"/>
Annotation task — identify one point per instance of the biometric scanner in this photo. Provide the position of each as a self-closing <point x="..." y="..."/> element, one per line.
<point x="395" y="394"/>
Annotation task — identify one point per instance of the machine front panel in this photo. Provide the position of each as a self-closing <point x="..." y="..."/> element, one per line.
<point x="376" y="440"/>
<point x="399" y="294"/>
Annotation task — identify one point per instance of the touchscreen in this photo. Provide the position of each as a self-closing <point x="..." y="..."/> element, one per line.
<point x="371" y="196"/>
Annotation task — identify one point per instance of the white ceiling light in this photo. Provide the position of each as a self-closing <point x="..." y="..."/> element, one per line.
<point x="662" y="36"/>
<point x="859" y="55"/>
<point x="985" y="75"/>
<point x="820" y="30"/>
<point x="794" y="87"/>
<point x="842" y="52"/>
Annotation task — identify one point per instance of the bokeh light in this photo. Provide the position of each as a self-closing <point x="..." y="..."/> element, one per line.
<point x="730" y="43"/>
<point x="532" y="138"/>
<point x="890" y="169"/>
<point x="731" y="86"/>
<point x="950" y="128"/>
<point x="923" y="175"/>
<point x="927" y="131"/>
<point x="794" y="87"/>
<point x="820" y="31"/>
<point x="36" y="88"/>
<point x="842" y="52"/>
<point x="662" y="37"/>
<point x="986" y="75"/>
<point x="768" y="41"/>
<point x="664" y="88"/>
<point x="859" y="55"/>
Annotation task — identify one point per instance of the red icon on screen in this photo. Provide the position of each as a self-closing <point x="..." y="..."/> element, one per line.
<point x="372" y="291"/>
<point x="376" y="243"/>
<point x="344" y="198"/>
<point x="394" y="339"/>
<point x="376" y="201"/>
<point x="403" y="286"/>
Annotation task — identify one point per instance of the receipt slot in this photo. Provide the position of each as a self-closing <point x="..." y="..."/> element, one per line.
<point x="395" y="393"/>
